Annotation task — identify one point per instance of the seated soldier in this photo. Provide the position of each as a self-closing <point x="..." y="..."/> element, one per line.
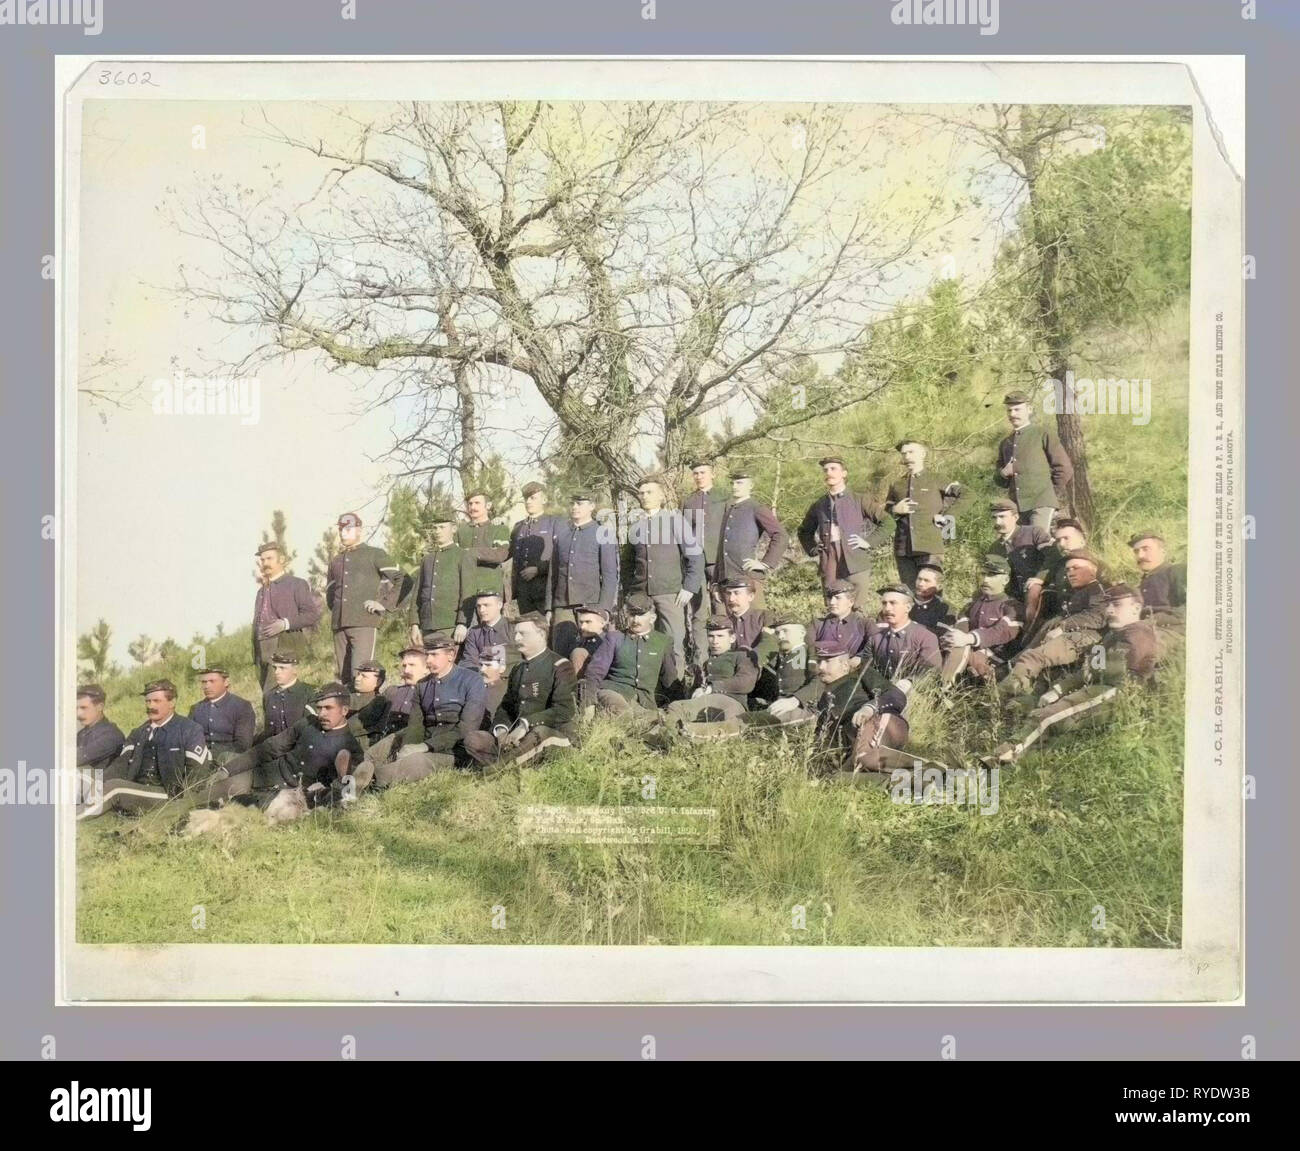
<point x="842" y="625"/>
<point x="489" y="647"/>
<point x="539" y="708"/>
<point x="228" y="721"/>
<point x="367" y="708"/>
<point x="450" y="707"/>
<point x="632" y="669"/>
<point x="899" y="648"/>
<point x="383" y="727"/>
<point x="981" y="640"/>
<point x="789" y="667"/>
<point x="859" y="713"/>
<point x="99" y="742"/>
<point x="1047" y="591"/>
<point x="730" y="675"/>
<point x="1081" y="697"/>
<point x="318" y="752"/>
<point x="929" y="608"/>
<point x="164" y="758"/>
<point x="286" y="700"/>
<point x="592" y="624"/>
<point x="1164" y="584"/>
<point x="749" y="624"/>
<point x="1066" y="637"/>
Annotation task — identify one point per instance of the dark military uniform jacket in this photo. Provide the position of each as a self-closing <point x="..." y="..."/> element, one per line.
<point x="228" y="720"/>
<point x="785" y="673"/>
<point x="1164" y="593"/>
<point x="282" y="707"/>
<point x="1043" y="468"/>
<point x="848" y="634"/>
<point x="1083" y="610"/>
<point x="930" y="613"/>
<point x="356" y="575"/>
<point x="1130" y="654"/>
<point x="750" y="631"/>
<point x="1056" y="588"/>
<point x="288" y="598"/>
<point x="532" y="542"/>
<point x="663" y="555"/>
<point x="733" y="673"/>
<point x="375" y="716"/>
<point x="163" y="756"/>
<point x="484" y="644"/>
<point x="541" y="691"/>
<point x="305" y="750"/>
<point x="916" y="533"/>
<point x="489" y="544"/>
<point x="743" y="525"/>
<point x="442" y="596"/>
<point x="854" y="515"/>
<point x="584" y="569"/>
<point x="634" y="666"/>
<point x="904" y="654"/>
<point x="705" y="511"/>
<point x="1027" y="549"/>
<point x="99" y="743"/>
<point x="836" y="703"/>
<point x="992" y="620"/>
<point x="448" y="709"/>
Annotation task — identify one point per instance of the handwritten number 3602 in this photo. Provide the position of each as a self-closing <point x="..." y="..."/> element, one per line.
<point x="108" y="76"/>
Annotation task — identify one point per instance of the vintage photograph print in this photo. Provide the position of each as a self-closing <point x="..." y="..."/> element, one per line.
<point x="570" y="522"/>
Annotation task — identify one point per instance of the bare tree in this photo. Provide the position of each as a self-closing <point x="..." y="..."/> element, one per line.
<point x="643" y="265"/>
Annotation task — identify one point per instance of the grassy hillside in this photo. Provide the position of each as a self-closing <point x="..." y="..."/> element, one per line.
<point x="1092" y="818"/>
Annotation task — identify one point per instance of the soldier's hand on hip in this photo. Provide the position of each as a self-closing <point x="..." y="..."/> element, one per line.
<point x="857" y="543"/>
<point x="460" y="632"/>
<point x="416" y="636"/>
<point x="1008" y="469"/>
<point x="528" y="573"/>
<point x="754" y="566"/>
<point x="863" y="715"/>
<point x="684" y="597"/>
<point x="374" y="607"/>
<point x="274" y="628"/>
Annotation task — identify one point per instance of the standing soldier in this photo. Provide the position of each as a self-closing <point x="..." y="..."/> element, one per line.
<point x="287" y="700"/>
<point x="284" y="611"/>
<point x="666" y="564"/>
<point x="228" y="722"/>
<point x="984" y="636"/>
<point x="1032" y="465"/>
<point x="1084" y="696"/>
<point x="703" y="509"/>
<point x="160" y="760"/>
<point x="99" y="740"/>
<point x="632" y="669"/>
<point x="444" y="592"/>
<point x="532" y="542"/>
<point x="584" y="572"/>
<point x="901" y="649"/>
<point x="1049" y="589"/>
<point x="744" y="524"/>
<point x="840" y="529"/>
<point x="921" y="504"/>
<point x="539" y="709"/>
<point x="1164" y="584"/>
<point x="929" y="608"/>
<point x="362" y="584"/>
<point x="1026" y="546"/>
<point x="488" y="543"/>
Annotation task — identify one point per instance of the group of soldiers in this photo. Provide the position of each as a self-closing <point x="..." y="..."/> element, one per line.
<point x="514" y="636"/>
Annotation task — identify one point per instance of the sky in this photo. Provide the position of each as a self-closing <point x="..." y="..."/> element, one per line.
<point x="171" y="506"/>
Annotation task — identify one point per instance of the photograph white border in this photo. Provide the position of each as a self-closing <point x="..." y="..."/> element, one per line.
<point x="1207" y="968"/>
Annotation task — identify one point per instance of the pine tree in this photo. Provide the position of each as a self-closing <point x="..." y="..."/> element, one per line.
<point x="277" y="535"/>
<point x="319" y="567"/>
<point x="92" y="648"/>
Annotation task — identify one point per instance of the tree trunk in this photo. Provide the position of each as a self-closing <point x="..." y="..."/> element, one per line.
<point x="468" y="457"/>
